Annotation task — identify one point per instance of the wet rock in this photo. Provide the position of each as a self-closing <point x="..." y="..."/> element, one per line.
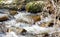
<point x="12" y="4"/>
<point x="46" y="35"/>
<point x="23" y="32"/>
<point x="44" y="25"/>
<point x="10" y="23"/>
<point x="51" y="25"/>
<point x="10" y="34"/>
<point x="35" y="29"/>
<point x="4" y="11"/>
<point x="27" y="18"/>
<point x="55" y="34"/>
<point x="48" y="24"/>
<point x="17" y="30"/>
<point x="4" y="17"/>
<point x="21" y="7"/>
<point x="57" y="24"/>
<point x="13" y="12"/>
<point x="20" y="24"/>
<point x="45" y="22"/>
<point x="58" y="16"/>
<point x="2" y="28"/>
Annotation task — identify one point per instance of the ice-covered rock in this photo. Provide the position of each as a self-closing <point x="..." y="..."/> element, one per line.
<point x="11" y="34"/>
<point x="10" y="23"/>
<point x="23" y="17"/>
<point x="4" y="11"/>
<point x="2" y="35"/>
<point x="22" y="25"/>
<point x="35" y="29"/>
<point x="27" y="18"/>
<point x="46" y="19"/>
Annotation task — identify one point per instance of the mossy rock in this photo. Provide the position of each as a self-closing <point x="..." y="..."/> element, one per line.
<point x="34" y="7"/>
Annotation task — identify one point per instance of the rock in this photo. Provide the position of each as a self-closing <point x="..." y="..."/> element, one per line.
<point x="44" y="24"/>
<point x="57" y="24"/>
<point x="11" y="1"/>
<point x="55" y="34"/>
<point x="35" y="18"/>
<point x="4" y="11"/>
<point x="2" y="28"/>
<point x="27" y="18"/>
<point x="35" y="29"/>
<point x="46" y="35"/>
<point x="6" y="1"/>
<point x="4" y="17"/>
<point x="21" y="7"/>
<point x="17" y="30"/>
<point x="10" y="23"/>
<point x="34" y="7"/>
<point x="13" y="12"/>
<point x="10" y="34"/>
<point x="20" y="24"/>
<point x="12" y="4"/>
<point x="48" y="24"/>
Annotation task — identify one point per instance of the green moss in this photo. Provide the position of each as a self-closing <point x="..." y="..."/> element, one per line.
<point x="28" y="1"/>
<point x="1" y="0"/>
<point x="34" y="7"/>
